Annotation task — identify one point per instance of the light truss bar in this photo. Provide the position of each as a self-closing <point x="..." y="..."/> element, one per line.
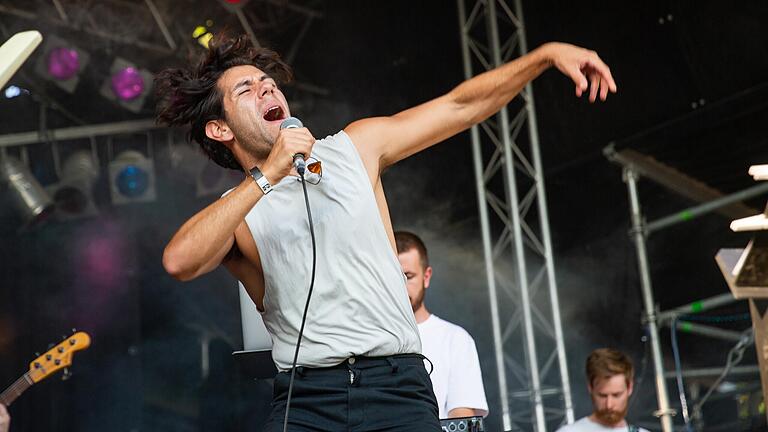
<point x="76" y="132"/>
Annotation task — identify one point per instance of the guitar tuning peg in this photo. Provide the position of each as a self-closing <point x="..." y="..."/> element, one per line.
<point x="63" y="337"/>
<point x="66" y="374"/>
<point x="37" y="354"/>
<point x="50" y="345"/>
<point x="74" y="330"/>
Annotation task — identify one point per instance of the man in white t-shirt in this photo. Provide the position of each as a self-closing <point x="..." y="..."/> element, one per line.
<point x="610" y="376"/>
<point x="456" y="378"/>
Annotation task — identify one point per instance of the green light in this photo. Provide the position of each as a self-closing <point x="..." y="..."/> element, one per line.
<point x="697" y="307"/>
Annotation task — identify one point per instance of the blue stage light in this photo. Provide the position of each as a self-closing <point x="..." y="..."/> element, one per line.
<point x="132" y="181"/>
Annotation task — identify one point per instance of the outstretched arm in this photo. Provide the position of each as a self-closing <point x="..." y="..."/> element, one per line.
<point x="382" y="141"/>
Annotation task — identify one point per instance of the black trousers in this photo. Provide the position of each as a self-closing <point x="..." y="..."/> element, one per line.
<point x="361" y="394"/>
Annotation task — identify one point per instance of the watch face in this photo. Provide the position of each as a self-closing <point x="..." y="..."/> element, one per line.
<point x="256" y="173"/>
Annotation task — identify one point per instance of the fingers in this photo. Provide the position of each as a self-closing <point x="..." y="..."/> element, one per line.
<point x="593" y="87"/>
<point x="289" y="142"/>
<point x="298" y="141"/>
<point x="579" y="79"/>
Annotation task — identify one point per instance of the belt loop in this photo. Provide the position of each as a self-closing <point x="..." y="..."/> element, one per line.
<point x="393" y="363"/>
<point x="431" y="365"/>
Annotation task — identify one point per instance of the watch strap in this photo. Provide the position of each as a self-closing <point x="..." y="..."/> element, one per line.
<point x="261" y="180"/>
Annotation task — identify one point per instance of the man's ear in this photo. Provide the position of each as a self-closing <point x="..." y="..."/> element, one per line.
<point x="630" y="387"/>
<point x="218" y="130"/>
<point x="427" y="276"/>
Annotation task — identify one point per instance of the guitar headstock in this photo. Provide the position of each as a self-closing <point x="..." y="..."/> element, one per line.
<point x="58" y="357"/>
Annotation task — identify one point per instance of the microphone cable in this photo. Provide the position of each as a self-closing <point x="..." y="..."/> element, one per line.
<point x="306" y="307"/>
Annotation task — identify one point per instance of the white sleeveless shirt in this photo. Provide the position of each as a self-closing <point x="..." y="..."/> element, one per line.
<point x="360" y="303"/>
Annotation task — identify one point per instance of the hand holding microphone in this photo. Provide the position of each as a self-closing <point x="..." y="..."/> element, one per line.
<point x="293" y="144"/>
<point x="298" y="158"/>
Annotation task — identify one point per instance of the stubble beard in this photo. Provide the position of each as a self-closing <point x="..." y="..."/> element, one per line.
<point x="418" y="301"/>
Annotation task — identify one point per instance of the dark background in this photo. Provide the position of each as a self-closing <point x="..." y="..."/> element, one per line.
<point x="690" y="76"/>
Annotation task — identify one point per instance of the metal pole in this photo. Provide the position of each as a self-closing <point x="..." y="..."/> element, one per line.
<point x="533" y="133"/>
<point x="696" y="307"/>
<point x="664" y="412"/>
<point x="485" y="231"/>
<point x="247" y="26"/>
<point x="512" y="199"/>
<point x="161" y="24"/>
<point x="692" y="212"/>
<point x="705" y="330"/>
<point x="715" y="372"/>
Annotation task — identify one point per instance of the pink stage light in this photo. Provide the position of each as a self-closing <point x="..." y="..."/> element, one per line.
<point x="63" y="63"/>
<point x="128" y="84"/>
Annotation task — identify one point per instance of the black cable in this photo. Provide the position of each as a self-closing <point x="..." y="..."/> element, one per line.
<point x="306" y="307"/>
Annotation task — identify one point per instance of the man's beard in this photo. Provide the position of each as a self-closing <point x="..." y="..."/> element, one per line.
<point x="418" y="301"/>
<point x="611" y="417"/>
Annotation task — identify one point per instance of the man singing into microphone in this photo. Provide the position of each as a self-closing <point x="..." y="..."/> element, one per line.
<point x="359" y="366"/>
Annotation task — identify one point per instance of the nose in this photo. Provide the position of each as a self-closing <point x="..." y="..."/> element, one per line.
<point x="610" y="403"/>
<point x="266" y="89"/>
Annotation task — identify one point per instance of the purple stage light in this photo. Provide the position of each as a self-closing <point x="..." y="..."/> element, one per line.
<point x="128" y="84"/>
<point x="63" y="63"/>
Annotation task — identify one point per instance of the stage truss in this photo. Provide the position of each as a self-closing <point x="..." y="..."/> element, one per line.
<point x="534" y="386"/>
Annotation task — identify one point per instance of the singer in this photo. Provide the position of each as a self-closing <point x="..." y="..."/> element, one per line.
<point x="359" y="366"/>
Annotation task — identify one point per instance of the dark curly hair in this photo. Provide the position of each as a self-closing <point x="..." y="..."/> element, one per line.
<point x="190" y="96"/>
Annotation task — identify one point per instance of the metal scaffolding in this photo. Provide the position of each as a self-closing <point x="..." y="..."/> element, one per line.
<point x="518" y="259"/>
<point x="635" y="165"/>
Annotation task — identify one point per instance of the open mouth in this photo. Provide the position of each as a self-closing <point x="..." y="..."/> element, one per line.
<point x="274" y="113"/>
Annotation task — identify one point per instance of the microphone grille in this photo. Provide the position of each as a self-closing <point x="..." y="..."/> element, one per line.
<point x="291" y="122"/>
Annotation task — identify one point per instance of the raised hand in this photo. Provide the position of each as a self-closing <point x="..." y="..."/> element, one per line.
<point x="584" y="67"/>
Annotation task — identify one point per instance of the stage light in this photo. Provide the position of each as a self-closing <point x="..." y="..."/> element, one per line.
<point x="27" y="197"/>
<point x="12" y="91"/>
<point x="73" y="194"/>
<point x="132" y="178"/>
<point x="61" y="63"/>
<point x="127" y="85"/>
<point x="189" y="163"/>
<point x="202" y="35"/>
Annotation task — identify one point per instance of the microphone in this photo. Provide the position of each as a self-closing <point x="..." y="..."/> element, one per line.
<point x="298" y="159"/>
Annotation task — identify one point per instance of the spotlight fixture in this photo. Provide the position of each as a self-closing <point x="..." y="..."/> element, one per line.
<point x="61" y="63"/>
<point x="132" y="178"/>
<point x="209" y="178"/>
<point x="202" y="34"/>
<point x="127" y="85"/>
<point x="27" y="197"/>
<point x="73" y="194"/>
<point x="214" y="180"/>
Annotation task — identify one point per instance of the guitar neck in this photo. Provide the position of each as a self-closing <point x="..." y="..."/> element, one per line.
<point x="16" y="389"/>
